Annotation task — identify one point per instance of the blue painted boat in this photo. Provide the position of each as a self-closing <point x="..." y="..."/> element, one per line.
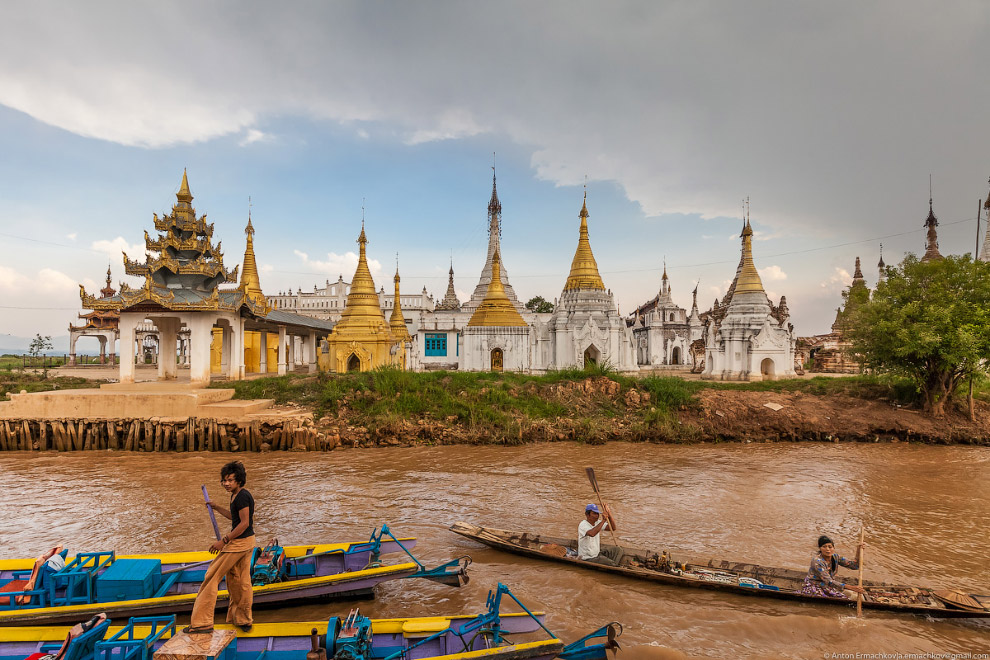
<point x="145" y="585"/>
<point x="491" y="635"/>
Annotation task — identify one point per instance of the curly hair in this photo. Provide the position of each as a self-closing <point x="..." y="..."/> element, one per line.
<point x="235" y="468"/>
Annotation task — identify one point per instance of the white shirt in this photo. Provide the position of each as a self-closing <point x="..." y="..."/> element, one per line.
<point x="589" y="546"/>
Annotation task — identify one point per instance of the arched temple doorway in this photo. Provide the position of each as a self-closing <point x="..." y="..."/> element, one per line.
<point x="353" y="363"/>
<point x="592" y="356"/>
<point x="767" y="368"/>
<point x="497" y="359"/>
<point x="675" y="355"/>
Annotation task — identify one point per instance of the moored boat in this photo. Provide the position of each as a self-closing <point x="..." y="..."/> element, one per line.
<point x="735" y="577"/>
<point x="32" y="592"/>
<point x="355" y="637"/>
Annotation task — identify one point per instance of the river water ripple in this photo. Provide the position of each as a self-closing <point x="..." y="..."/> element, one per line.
<point x="925" y="511"/>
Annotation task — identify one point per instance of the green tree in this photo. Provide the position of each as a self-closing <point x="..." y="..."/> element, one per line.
<point x="39" y="345"/>
<point x="539" y="305"/>
<point x="929" y="321"/>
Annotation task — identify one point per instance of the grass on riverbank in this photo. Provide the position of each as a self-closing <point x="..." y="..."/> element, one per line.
<point x="587" y="403"/>
<point x="15" y="380"/>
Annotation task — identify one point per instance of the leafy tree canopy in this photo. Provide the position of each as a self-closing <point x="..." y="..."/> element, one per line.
<point x="39" y="345"/>
<point x="929" y="321"/>
<point x="539" y="305"/>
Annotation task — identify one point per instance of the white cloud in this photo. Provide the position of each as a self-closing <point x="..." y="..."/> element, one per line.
<point x="114" y="247"/>
<point x="688" y="106"/>
<point x="837" y="281"/>
<point x="10" y="279"/>
<point x="340" y="265"/>
<point x="268" y="268"/>
<point x="772" y="273"/>
<point x="71" y="236"/>
<point x="253" y="135"/>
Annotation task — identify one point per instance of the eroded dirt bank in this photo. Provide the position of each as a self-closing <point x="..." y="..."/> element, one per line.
<point x="600" y="410"/>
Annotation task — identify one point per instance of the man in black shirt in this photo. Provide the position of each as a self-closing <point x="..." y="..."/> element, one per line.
<point x="233" y="558"/>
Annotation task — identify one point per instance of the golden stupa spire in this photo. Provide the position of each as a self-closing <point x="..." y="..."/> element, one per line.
<point x="362" y="311"/>
<point x="250" y="281"/>
<point x="749" y="280"/>
<point x="584" y="268"/>
<point x="184" y="195"/>
<point x="396" y="322"/>
<point x="496" y="309"/>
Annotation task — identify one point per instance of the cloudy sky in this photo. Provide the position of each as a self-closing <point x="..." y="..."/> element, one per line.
<point x="828" y="116"/>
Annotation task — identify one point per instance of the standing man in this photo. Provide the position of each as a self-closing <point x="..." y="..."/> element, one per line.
<point x="589" y="541"/>
<point x="233" y="558"/>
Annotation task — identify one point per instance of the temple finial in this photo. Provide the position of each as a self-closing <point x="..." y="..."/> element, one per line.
<point x="184" y="195"/>
<point x="249" y="230"/>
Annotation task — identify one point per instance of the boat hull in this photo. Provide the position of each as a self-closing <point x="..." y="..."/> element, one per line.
<point x="341" y="585"/>
<point x="787" y="581"/>
<point x="388" y="635"/>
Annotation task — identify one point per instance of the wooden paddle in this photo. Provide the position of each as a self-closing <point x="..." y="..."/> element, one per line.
<point x="213" y="518"/>
<point x="594" y="485"/>
<point x="861" y="552"/>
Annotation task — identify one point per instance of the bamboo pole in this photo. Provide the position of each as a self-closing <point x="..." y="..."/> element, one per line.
<point x="860" y="551"/>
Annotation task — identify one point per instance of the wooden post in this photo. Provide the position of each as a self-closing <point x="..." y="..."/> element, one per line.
<point x="114" y="442"/>
<point x="860" y="552"/>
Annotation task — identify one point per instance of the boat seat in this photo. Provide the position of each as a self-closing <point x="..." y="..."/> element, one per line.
<point x="425" y="626"/>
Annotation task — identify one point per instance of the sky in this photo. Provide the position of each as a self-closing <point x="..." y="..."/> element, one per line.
<point x="829" y="117"/>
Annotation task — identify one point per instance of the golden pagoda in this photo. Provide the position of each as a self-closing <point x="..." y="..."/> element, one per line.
<point x="496" y="310"/>
<point x="584" y="269"/>
<point x="396" y="322"/>
<point x="362" y="339"/>
<point x="250" y="281"/>
<point x="749" y="280"/>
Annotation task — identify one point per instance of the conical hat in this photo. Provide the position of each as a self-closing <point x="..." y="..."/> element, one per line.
<point x="959" y="600"/>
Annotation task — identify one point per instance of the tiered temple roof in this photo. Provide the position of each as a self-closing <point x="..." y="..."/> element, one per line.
<point x="362" y="316"/>
<point x="100" y="319"/>
<point x="450" y="301"/>
<point x="183" y="269"/>
<point x="931" y="242"/>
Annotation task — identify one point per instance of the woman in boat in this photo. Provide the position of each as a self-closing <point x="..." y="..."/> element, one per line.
<point x="821" y="576"/>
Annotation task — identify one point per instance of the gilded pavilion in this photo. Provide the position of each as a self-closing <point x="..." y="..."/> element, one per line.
<point x="183" y="274"/>
<point x="102" y="324"/>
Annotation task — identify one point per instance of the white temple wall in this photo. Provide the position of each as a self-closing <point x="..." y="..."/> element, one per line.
<point x="480" y="342"/>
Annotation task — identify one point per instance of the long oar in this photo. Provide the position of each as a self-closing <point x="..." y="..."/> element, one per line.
<point x="213" y="518"/>
<point x="859" y="597"/>
<point x="594" y="486"/>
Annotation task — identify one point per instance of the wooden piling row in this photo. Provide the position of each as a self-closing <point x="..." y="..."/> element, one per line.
<point x="159" y="435"/>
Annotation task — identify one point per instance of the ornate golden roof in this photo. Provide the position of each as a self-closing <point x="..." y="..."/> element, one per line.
<point x="496" y="310"/>
<point x="250" y="281"/>
<point x="749" y="280"/>
<point x="584" y="269"/>
<point x="362" y="316"/>
<point x="182" y="270"/>
<point x="396" y="322"/>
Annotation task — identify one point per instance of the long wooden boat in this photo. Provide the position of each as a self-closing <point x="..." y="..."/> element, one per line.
<point x="734" y="577"/>
<point x="153" y="584"/>
<point x="491" y="635"/>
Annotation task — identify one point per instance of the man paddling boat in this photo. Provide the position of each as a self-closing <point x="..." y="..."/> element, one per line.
<point x="233" y="560"/>
<point x="589" y="541"/>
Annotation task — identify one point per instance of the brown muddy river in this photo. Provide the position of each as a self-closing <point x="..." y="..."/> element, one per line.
<point x="926" y="511"/>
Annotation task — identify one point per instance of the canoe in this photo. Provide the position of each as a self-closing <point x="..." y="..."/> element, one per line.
<point x="459" y="637"/>
<point x="152" y="584"/>
<point x="729" y="576"/>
